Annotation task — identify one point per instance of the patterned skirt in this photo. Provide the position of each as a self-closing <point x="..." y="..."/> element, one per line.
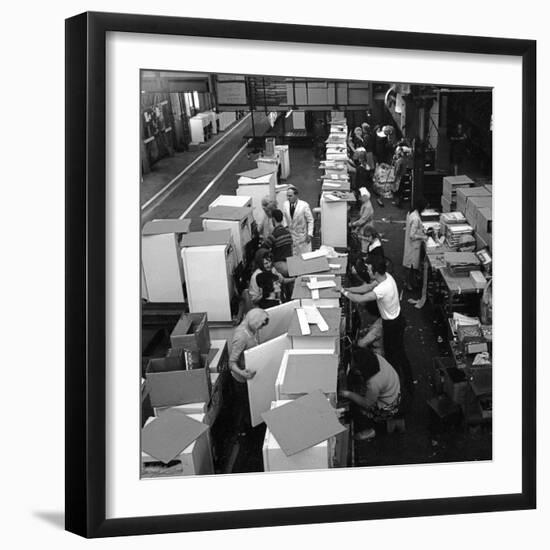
<point x="381" y="414"/>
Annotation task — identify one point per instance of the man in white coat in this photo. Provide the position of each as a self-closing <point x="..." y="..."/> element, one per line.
<point x="299" y="220"/>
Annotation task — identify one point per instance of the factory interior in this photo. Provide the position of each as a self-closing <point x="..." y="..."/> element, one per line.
<point x="316" y="273"/>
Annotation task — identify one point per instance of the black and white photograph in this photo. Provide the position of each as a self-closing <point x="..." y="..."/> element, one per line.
<point x="316" y="273"/>
<point x="254" y="294"/>
<point x="288" y="302"/>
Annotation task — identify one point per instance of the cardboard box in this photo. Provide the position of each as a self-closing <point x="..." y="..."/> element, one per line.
<point x="469" y="333"/>
<point x="481" y="242"/>
<point x="196" y="459"/>
<point x="217" y="358"/>
<point x="168" y="388"/>
<point x="484" y="221"/>
<point x="447" y="205"/>
<point x="473" y="205"/>
<point x="189" y="408"/>
<point x="471" y="339"/>
<point x="463" y="194"/>
<point x="191" y="333"/>
<point x="478" y="279"/>
<point x="313" y="458"/>
<point x="328" y="297"/>
<point x="303" y="371"/>
<point x="146" y="408"/>
<point x="472" y="348"/>
<point x="175" y="359"/>
<point x="317" y="339"/>
<point x="452" y="183"/>
<point x="339" y="455"/>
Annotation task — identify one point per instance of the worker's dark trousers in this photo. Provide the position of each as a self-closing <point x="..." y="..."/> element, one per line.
<point x="240" y="406"/>
<point x="394" y="348"/>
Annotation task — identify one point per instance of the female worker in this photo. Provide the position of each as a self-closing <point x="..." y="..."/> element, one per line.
<point x="377" y="391"/>
<point x="414" y="236"/>
<point x="366" y="213"/>
<point x="245" y="337"/>
<point x="371" y="244"/>
<point x="356" y="140"/>
<point x="363" y="172"/>
<point x="264" y="264"/>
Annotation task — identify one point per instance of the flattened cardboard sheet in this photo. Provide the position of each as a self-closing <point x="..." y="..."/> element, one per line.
<point x="302" y="320"/>
<point x="315" y="254"/>
<point x="298" y="266"/>
<point x="303" y="423"/>
<point x="257" y="172"/>
<point x="301" y="291"/>
<point x="331" y="315"/>
<point x="206" y="238"/>
<point x="160" y="227"/>
<point x="307" y="373"/>
<point x="279" y="320"/>
<point x="168" y="435"/>
<point x="265" y="361"/>
<point x="317" y="285"/>
<point x="230" y="213"/>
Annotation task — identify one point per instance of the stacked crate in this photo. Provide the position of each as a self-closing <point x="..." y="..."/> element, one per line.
<point x="450" y="186"/>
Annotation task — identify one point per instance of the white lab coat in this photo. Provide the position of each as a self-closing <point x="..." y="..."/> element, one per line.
<point x="414" y="235"/>
<point x="300" y="225"/>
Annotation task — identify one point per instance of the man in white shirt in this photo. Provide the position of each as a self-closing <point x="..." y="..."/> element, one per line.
<point x="384" y="291"/>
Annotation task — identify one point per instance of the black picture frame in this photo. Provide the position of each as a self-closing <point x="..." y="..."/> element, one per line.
<point x="86" y="263"/>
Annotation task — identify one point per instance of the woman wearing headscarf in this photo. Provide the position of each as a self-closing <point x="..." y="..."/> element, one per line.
<point x="366" y="213"/>
<point x="356" y="140"/>
<point x="245" y="337"/>
<point x="376" y="391"/>
<point x="384" y="144"/>
<point x="414" y="236"/>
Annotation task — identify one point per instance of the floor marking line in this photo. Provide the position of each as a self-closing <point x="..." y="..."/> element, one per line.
<point x="220" y="174"/>
<point x="173" y="180"/>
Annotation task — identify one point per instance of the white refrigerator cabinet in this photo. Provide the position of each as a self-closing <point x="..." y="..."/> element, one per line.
<point x="236" y="219"/>
<point x="209" y="281"/>
<point x="257" y="188"/>
<point x="197" y="124"/>
<point x="162" y="275"/>
<point x="334" y="223"/>
<point x="209" y="262"/>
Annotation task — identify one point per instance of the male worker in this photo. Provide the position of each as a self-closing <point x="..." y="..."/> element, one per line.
<point x="280" y="243"/>
<point x="299" y="220"/>
<point x="383" y="290"/>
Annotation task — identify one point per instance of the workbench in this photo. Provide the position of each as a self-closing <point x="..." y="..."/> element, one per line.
<point x="443" y="281"/>
<point x="478" y="386"/>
